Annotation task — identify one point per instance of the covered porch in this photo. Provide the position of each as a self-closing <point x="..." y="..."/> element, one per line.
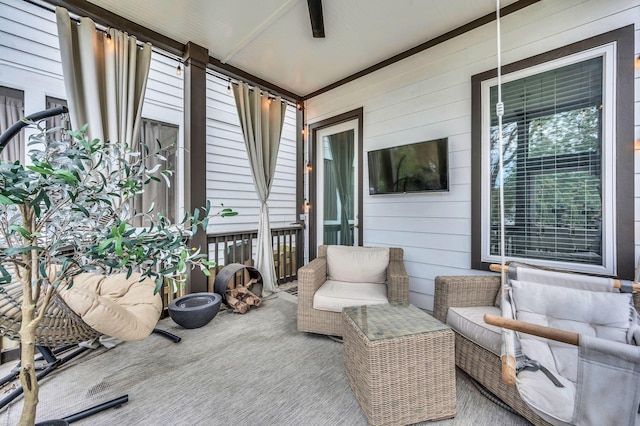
<point x="435" y="86"/>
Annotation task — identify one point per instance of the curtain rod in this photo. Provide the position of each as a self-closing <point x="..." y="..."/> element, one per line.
<point x="232" y="80"/>
<point x="100" y="27"/>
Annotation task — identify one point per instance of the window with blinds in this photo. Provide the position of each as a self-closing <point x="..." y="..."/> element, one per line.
<point x="567" y="189"/>
<point x="552" y="159"/>
<point x="568" y="154"/>
<point x="160" y="138"/>
<point x="12" y="111"/>
<point x="56" y="120"/>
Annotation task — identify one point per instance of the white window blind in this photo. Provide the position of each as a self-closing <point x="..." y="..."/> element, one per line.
<point x="553" y="168"/>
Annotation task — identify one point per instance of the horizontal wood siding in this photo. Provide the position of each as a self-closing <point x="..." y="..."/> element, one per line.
<point x="428" y="96"/>
<point x="229" y="180"/>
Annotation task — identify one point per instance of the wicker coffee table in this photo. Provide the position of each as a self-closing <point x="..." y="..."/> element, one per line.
<point x="400" y="363"/>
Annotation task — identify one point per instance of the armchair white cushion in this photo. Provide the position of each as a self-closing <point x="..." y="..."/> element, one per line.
<point x="357" y="264"/>
<point x="335" y="295"/>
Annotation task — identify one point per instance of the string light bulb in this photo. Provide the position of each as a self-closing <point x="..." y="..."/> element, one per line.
<point x="307" y="206"/>
<point x="179" y="69"/>
<point x="298" y="105"/>
<point x="229" y="87"/>
<point x="309" y="168"/>
<point x="108" y="34"/>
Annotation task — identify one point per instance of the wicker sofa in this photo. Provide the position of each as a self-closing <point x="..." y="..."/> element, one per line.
<point x="480" y="363"/>
<point x="314" y="274"/>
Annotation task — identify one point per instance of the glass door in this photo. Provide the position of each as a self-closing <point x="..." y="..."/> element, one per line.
<point x="338" y="167"/>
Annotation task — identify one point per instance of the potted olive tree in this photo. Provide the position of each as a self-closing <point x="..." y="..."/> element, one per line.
<point x="70" y="206"/>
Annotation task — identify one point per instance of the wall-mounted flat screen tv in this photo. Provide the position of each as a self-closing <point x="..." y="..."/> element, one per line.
<point x="417" y="167"/>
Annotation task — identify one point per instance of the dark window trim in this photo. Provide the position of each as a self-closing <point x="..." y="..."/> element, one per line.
<point x="12" y="93"/>
<point x="624" y="104"/>
<point x="54" y="100"/>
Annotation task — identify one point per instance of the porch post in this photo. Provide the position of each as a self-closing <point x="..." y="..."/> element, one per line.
<point x="195" y="117"/>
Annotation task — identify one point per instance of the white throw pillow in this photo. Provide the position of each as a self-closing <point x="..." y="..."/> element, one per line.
<point x="357" y="264"/>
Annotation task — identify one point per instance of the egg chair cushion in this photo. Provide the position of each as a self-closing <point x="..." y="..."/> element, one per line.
<point x="114" y="305"/>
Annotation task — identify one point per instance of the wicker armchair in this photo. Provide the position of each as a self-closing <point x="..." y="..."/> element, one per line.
<point x="313" y="275"/>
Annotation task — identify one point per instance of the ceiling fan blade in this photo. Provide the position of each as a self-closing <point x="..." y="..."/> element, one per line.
<point x="317" y="21"/>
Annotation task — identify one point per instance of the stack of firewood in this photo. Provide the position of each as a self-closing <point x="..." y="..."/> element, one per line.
<point x="240" y="298"/>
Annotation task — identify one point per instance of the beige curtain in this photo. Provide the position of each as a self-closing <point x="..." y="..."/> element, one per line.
<point x="261" y="121"/>
<point x="105" y="79"/>
<point x="11" y="111"/>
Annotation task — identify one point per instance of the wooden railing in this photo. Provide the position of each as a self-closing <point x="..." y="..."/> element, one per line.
<point x="240" y="247"/>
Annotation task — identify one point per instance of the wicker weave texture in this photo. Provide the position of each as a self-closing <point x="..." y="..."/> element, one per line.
<point x="314" y="274"/>
<point x="59" y="326"/>
<point x="485" y="367"/>
<point x="402" y="380"/>
<point x="482" y="365"/>
<point x="462" y="291"/>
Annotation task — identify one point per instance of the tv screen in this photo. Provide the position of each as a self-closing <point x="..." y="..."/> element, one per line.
<point x="416" y="167"/>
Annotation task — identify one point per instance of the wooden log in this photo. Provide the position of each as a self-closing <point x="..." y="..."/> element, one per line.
<point x="251" y="299"/>
<point x="242" y="290"/>
<point x="238" y="305"/>
<point x="616" y="283"/>
<point x="248" y="283"/>
<point x="535" y="329"/>
<point x="245" y="295"/>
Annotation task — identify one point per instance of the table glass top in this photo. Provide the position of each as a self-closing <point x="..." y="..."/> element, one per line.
<point x="388" y="321"/>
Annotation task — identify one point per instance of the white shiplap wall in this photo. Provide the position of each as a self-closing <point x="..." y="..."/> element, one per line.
<point x="229" y="180"/>
<point x="428" y="96"/>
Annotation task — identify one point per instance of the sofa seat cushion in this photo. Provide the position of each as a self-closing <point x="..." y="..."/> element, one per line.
<point x="357" y="264"/>
<point x="469" y="322"/>
<point x="335" y="295"/>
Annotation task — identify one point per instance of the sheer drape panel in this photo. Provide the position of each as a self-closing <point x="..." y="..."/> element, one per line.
<point x="341" y="146"/>
<point x="261" y="120"/>
<point x="11" y="111"/>
<point x="105" y="78"/>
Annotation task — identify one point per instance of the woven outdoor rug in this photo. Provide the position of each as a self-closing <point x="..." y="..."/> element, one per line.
<point x="252" y="369"/>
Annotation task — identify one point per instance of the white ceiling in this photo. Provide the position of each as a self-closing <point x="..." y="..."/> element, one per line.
<point x="271" y="39"/>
